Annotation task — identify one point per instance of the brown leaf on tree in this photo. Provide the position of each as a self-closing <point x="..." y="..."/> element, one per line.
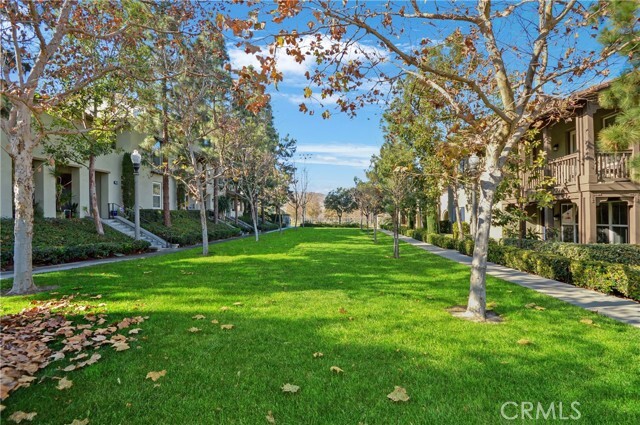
<point x="226" y="327"/>
<point x="154" y="376"/>
<point x="64" y="384"/>
<point x="20" y="416"/>
<point x="398" y="394"/>
<point x="290" y="388"/>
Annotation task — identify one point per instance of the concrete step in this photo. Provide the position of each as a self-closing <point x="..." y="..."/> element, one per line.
<point x="129" y="230"/>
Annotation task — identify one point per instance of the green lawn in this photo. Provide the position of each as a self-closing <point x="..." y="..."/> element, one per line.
<point x="383" y="321"/>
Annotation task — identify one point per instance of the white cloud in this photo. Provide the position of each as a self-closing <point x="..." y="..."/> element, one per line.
<point x="348" y="155"/>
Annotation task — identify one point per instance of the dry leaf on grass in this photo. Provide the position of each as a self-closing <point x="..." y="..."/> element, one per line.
<point x="120" y="346"/>
<point x="226" y="327"/>
<point x="154" y="376"/>
<point x="215" y="322"/>
<point x="317" y="355"/>
<point x="2" y="407"/>
<point x="524" y="342"/>
<point x="64" y="384"/>
<point x="290" y="388"/>
<point x="224" y="308"/>
<point x="238" y="304"/>
<point x="270" y="417"/>
<point x="398" y="394"/>
<point x="134" y="331"/>
<point x="336" y="369"/>
<point x="193" y="329"/>
<point x="79" y="422"/>
<point x="342" y="310"/>
<point x="587" y="321"/>
<point x="198" y="317"/>
<point x="20" y="416"/>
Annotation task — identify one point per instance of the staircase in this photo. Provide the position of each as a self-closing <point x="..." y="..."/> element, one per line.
<point x="126" y="227"/>
<point x="244" y="226"/>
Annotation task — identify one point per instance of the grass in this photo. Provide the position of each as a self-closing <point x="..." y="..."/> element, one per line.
<point x="293" y="287"/>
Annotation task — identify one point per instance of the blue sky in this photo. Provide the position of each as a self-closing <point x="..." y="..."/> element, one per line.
<point x="339" y="148"/>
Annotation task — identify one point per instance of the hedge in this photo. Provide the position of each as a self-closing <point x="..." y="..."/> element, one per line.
<point x="612" y="253"/>
<point x="607" y="277"/>
<point x="341" y="225"/>
<point x="185" y="227"/>
<point x="68" y="254"/>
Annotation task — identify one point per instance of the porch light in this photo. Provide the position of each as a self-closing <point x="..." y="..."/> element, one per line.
<point x="136" y="158"/>
<point x="555" y="147"/>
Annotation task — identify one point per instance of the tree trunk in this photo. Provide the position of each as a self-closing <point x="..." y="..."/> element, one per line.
<point x="368" y="216"/>
<point x="361" y="218"/>
<point x="166" y="204"/>
<point x="396" y="243"/>
<point x="375" y="228"/>
<point x="262" y="211"/>
<point x="203" y="221"/>
<point x="254" y="218"/>
<point x="296" y="219"/>
<point x="23" y="203"/>
<point x="474" y="208"/>
<point x="216" y="195"/>
<point x="304" y="215"/>
<point x="489" y="180"/>
<point x="235" y="208"/>
<point x="339" y="219"/>
<point x="279" y="219"/>
<point x="95" y="211"/>
<point x="456" y="207"/>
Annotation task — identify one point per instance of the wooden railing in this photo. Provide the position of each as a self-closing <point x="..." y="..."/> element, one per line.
<point x="564" y="169"/>
<point x="612" y="166"/>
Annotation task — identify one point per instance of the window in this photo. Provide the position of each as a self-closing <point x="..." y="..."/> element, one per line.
<point x="156" y="195"/>
<point x="569" y="223"/>
<point x="609" y="120"/>
<point x="572" y="146"/>
<point x="612" y="221"/>
<point x="156" y="155"/>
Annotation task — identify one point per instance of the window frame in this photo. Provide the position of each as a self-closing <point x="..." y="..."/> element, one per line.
<point x="154" y="196"/>
<point x="609" y="227"/>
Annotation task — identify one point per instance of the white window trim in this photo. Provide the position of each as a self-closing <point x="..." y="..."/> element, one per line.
<point x="153" y="185"/>
<point x="571" y="143"/>
<point x="606" y="117"/>
<point x="573" y="223"/>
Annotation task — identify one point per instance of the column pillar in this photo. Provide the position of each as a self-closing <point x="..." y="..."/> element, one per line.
<point x="634" y="220"/>
<point x="587" y="218"/>
<point x="586" y="141"/>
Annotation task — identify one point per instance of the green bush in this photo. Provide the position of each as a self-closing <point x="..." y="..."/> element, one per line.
<point x="333" y="225"/>
<point x="607" y="277"/>
<point x="185" y="227"/>
<point x="445" y="226"/>
<point x="465" y="228"/>
<point x="465" y="246"/>
<point x="443" y="241"/>
<point x="613" y="253"/>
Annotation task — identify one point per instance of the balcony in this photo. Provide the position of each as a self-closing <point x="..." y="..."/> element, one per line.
<point x="613" y="166"/>
<point x="564" y="169"/>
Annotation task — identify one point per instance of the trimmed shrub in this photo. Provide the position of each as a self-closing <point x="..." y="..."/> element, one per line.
<point x="445" y="226"/>
<point x="335" y="225"/>
<point x="443" y="241"/>
<point x="607" y="277"/>
<point x="614" y="253"/>
<point x="465" y="228"/>
<point x="466" y="246"/>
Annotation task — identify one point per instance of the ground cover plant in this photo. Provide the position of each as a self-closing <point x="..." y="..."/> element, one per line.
<point x="319" y="326"/>
<point x="64" y="240"/>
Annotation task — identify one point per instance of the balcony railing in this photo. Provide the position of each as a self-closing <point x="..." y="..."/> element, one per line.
<point x="612" y="166"/>
<point x="564" y="169"/>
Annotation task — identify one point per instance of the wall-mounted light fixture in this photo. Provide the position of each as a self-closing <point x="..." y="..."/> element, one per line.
<point x="555" y="147"/>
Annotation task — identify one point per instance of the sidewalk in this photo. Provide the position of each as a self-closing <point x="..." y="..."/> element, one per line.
<point x="88" y="263"/>
<point x="620" y="309"/>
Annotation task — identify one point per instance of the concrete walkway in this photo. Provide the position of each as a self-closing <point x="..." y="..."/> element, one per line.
<point x="620" y="309"/>
<point x="88" y="263"/>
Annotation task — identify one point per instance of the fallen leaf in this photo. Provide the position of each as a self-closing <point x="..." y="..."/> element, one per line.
<point x="237" y="304"/>
<point x="79" y="422"/>
<point x="97" y="297"/>
<point x="121" y="346"/>
<point x="78" y="357"/>
<point x="134" y="331"/>
<point x="539" y="308"/>
<point x="154" y="376"/>
<point x="270" y="417"/>
<point x="20" y="416"/>
<point x="398" y="394"/>
<point x="530" y="305"/>
<point x="64" y="384"/>
<point x="342" y="310"/>
<point x="215" y="322"/>
<point x="226" y="327"/>
<point x="336" y="369"/>
<point x="524" y="342"/>
<point x="70" y="368"/>
<point x="2" y="407"/>
<point x="587" y="321"/>
<point x="317" y="355"/>
<point x="193" y="330"/>
<point x="290" y="388"/>
<point x="198" y="317"/>
<point x="224" y="308"/>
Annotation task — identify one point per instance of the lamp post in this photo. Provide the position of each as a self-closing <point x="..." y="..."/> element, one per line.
<point x="136" y="158"/>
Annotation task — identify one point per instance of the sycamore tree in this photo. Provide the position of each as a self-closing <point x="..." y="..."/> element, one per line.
<point x="299" y="196"/>
<point x="50" y="51"/>
<point x="370" y="199"/>
<point x="518" y="60"/>
<point x="341" y="201"/>
<point x="92" y="116"/>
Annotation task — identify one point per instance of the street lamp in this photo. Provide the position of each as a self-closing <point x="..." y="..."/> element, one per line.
<point x="136" y="158"/>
